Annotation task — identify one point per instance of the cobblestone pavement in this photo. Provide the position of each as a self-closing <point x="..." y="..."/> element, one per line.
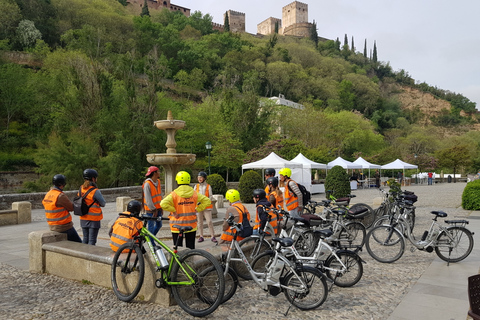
<point x="40" y="296"/>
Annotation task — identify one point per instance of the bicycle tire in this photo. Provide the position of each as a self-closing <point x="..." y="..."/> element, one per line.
<point x="385" y="244"/>
<point x="463" y="246"/>
<point x="205" y="295"/>
<point x="251" y="247"/>
<point x="352" y="235"/>
<point x="305" y="243"/>
<point x="128" y="271"/>
<point x="348" y="277"/>
<point x="231" y="282"/>
<point x="261" y="262"/>
<point x="316" y="292"/>
<point x="368" y="218"/>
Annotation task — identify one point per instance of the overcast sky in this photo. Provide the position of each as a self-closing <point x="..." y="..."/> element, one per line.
<point x="435" y="41"/>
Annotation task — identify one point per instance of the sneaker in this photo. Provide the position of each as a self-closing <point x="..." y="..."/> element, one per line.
<point x="200" y="239"/>
<point x="213" y="239"/>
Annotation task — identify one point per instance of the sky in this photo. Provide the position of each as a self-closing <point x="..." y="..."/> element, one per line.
<point x="435" y="41"/>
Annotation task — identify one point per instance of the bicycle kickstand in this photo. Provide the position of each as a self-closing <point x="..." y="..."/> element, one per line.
<point x="290" y="305"/>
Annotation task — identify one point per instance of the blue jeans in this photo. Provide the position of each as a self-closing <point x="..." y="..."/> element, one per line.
<point x="72" y="235"/>
<point x="90" y="235"/>
<point x="152" y="225"/>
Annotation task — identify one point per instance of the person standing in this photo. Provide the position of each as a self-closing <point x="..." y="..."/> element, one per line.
<point x="57" y="207"/>
<point x="91" y="222"/>
<point x="204" y="188"/>
<point x="269" y="173"/>
<point x="377" y="178"/>
<point x="430" y="178"/>
<point x="152" y="196"/>
<point x="183" y="204"/>
<point x="400" y="177"/>
<point x="293" y="198"/>
<point x="263" y="214"/>
<point x="237" y="209"/>
<point x="275" y="195"/>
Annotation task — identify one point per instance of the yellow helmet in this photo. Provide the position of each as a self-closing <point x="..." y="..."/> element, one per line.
<point x="232" y="195"/>
<point x="183" y="177"/>
<point x="285" y="172"/>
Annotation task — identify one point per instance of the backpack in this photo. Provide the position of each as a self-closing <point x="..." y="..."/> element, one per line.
<point x="305" y="193"/>
<point x="80" y="207"/>
<point x="247" y="229"/>
<point x="409" y="195"/>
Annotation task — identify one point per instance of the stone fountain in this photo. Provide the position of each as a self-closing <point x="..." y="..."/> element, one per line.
<point x="170" y="161"/>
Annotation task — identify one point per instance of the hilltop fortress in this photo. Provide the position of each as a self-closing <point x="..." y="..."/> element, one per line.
<point x="294" y="20"/>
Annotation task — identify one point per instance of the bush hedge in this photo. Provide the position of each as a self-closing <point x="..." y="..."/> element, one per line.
<point x="249" y="181"/>
<point x="337" y="182"/>
<point x="219" y="186"/>
<point x="471" y="196"/>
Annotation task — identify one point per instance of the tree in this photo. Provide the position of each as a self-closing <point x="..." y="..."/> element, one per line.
<point x="10" y="15"/>
<point x="227" y="152"/>
<point x="145" y="11"/>
<point x="365" y="49"/>
<point x="454" y="157"/>
<point x="314" y="33"/>
<point x="276" y="27"/>
<point x="375" y="58"/>
<point x="226" y="23"/>
<point x="353" y="46"/>
<point x="27" y="34"/>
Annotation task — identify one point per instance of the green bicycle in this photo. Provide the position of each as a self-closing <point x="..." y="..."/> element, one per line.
<point x="195" y="276"/>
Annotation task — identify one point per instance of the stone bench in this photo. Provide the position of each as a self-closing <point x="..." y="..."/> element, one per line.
<point x="51" y="253"/>
<point x="21" y="212"/>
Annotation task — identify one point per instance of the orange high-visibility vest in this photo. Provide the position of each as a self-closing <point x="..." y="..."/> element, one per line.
<point x="227" y="235"/>
<point x="185" y="209"/>
<point x="55" y="215"/>
<point x="273" y="220"/>
<point x="207" y="194"/>
<point x="95" y="212"/>
<point x="155" y="193"/>
<point x="291" y="200"/>
<point x="278" y="198"/>
<point x="123" y="230"/>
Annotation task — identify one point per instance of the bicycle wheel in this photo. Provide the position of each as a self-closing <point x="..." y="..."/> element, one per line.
<point x="251" y="247"/>
<point x="352" y="235"/>
<point x="348" y="276"/>
<point x="311" y="297"/>
<point x="207" y="292"/>
<point x="128" y="271"/>
<point x="385" y="244"/>
<point x="368" y="218"/>
<point x="454" y="244"/>
<point x="305" y="243"/>
<point x="411" y="218"/>
<point x="231" y="281"/>
<point x="261" y="263"/>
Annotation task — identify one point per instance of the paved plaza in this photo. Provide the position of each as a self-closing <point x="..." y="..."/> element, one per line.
<point x="418" y="286"/>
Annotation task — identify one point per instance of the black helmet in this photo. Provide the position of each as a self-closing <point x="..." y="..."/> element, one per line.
<point x="259" y="193"/>
<point x="203" y="174"/>
<point x="59" y="180"/>
<point x="134" y="207"/>
<point x="273" y="181"/>
<point x="89" y="174"/>
<point x="270" y="171"/>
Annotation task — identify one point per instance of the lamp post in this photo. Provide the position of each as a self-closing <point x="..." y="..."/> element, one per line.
<point x="208" y="145"/>
<point x="416" y="176"/>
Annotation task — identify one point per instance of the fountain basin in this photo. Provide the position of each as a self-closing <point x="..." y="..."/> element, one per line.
<point x="170" y="124"/>
<point x="171" y="158"/>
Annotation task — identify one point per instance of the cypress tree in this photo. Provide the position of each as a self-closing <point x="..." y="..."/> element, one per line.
<point x="276" y="27"/>
<point x="337" y="44"/>
<point x="353" y="46"/>
<point x="226" y="23"/>
<point x="365" y="49"/>
<point x="345" y="41"/>
<point x="375" y="59"/>
<point x="314" y="33"/>
<point x="145" y="11"/>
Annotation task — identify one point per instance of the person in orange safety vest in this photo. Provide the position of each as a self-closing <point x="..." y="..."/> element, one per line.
<point x="237" y="209"/>
<point x="292" y="196"/>
<point x="127" y="225"/>
<point x="152" y="196"/>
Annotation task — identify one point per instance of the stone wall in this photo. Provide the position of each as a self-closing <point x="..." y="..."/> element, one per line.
<point x="12" y="181"/>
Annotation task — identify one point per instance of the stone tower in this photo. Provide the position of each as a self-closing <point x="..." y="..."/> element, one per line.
<point x="294" y="13"/>
<point x="236" y="21"/>
<point x="268" y="26"/>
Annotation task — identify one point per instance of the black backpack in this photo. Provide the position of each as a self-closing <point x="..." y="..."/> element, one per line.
<point x="80" y="207"/>
<point x="306" y="194"/>
<point x="247" y="229"/>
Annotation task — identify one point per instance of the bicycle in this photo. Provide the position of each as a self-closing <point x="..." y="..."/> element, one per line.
<point x="195" y="290"/>
<point x="397" y="208"/>
<point x="386" y="243"/>
<point x="304" y="287"/>
<point x="364" y="212"/>
<point x="343" y="267"/>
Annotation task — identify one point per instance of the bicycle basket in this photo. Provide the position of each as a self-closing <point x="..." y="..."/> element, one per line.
<point x="358" y="211"/>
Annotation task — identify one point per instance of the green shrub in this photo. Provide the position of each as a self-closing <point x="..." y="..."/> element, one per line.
<point x="337" y="182"/>
<point x="395" y="187"/>
<point x="219" y="186"/>
<point x="471" y="196"/>
<point x="249" y="181"/>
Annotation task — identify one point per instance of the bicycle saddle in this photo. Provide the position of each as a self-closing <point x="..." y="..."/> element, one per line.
<point x="284" y="242"/>
<point x="325" y="233"/>
<point x="182" y="228"/>
<point x="439" y="214"/>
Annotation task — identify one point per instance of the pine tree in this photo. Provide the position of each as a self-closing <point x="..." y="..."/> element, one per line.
<point x="365" y="49"/>
<point x="226" y="26"/>
<point x="353" y="46"/>
<point x="314" y="33"/>
<point x="145" y="11"/>
<point x="375" y="59"/>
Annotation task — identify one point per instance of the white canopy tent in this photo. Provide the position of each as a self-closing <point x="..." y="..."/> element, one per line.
<point x="276" y="162"/>
<point x="343" y="163"/>
<point x="367" y="165"/>
<point x="399" y="164"/>
<point x="308" y="165"/>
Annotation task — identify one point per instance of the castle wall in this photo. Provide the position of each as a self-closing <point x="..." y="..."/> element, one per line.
<point x="298" y="29"/>
<point x="236" y="21"/>
<point x="267" y="26"/>
<point x="137" y="5"/>
<point x="295" y="12"/>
